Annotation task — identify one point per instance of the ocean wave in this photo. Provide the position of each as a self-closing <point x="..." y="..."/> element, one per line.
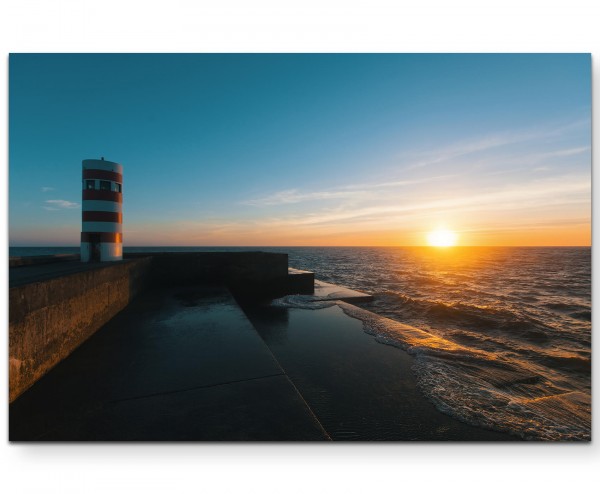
<point x="528" y="307"/>
<point x="484" y="388"/>
<point x="573" y="363"/>
<point x="565" y="306"/>
<point x="584" y="315"/>
<point x="459" y="314"/>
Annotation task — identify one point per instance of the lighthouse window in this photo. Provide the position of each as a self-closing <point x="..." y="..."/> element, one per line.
<point x="89" y="184"/>
<point x="104" y="185"/>
<point x="117" y="187"/>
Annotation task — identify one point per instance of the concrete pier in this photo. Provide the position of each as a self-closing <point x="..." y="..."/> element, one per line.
<point x="179" y="363"/>
<point x="183" y="361"/>
<point x="56" y="304"/>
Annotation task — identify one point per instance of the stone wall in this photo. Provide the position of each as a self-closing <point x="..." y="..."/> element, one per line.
<point x="49" y="319"/>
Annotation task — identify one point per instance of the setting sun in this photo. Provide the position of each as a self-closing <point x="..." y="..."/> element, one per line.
<point x="441" y="238"/>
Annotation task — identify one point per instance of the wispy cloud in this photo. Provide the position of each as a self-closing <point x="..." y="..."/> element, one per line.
<point x="293" y="196"/>
<point x="458" y="150"/>
<point x="558" y="153"/>
<point x="59" y="204"/>
<point x="47" y="189"/>
<point x="570" y="151"/>
<point x="352" y="191"/>
<point x="556" y="202"/>
<point x="461" y="149"/>
<point x="566" y="190"/>
<point x="556" y="157"/>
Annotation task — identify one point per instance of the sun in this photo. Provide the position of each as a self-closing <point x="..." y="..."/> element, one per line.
<point x="441" y="238"/>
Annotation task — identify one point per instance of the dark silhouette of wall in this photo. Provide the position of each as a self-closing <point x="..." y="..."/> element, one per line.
<point x="49" y="318"/>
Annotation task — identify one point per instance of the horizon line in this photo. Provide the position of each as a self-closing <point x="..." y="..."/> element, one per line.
<point x="295" y="246"/>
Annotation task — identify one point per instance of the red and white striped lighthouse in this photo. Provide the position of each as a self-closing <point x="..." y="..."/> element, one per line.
<point x="102" y="211"/>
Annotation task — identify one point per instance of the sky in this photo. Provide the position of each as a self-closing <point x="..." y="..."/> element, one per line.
<point x="291" y="150"/>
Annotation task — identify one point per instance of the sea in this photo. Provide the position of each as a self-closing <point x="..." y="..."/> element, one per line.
<point x="501" y="336"/>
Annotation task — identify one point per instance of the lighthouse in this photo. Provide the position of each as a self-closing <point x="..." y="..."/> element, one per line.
<point x="102" y="211"/>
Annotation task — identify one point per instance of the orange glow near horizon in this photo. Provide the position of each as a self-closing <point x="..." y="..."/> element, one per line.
<point x="313" y="237"/>
<point x="247" y="235"/>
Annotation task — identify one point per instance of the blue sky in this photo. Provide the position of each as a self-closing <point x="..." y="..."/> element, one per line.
<point x="306" y="149"/>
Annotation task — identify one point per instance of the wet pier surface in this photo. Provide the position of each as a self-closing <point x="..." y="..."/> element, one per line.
<point x="359" y="389"/>
<point x="187" y="363"/>
<point x="177" y="364"/>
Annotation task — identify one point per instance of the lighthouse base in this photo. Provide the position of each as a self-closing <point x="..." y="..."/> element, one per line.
<point x="101" y="251"/>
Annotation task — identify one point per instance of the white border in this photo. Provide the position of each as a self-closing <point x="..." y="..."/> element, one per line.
<point x="307" y="26"/>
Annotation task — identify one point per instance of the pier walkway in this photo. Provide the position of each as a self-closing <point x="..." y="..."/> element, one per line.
<point x="179" y="363"/>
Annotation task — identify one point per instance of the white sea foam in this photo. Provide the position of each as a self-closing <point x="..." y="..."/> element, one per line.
<point x="302" y="302"/>
<point x="485" y="388"/>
